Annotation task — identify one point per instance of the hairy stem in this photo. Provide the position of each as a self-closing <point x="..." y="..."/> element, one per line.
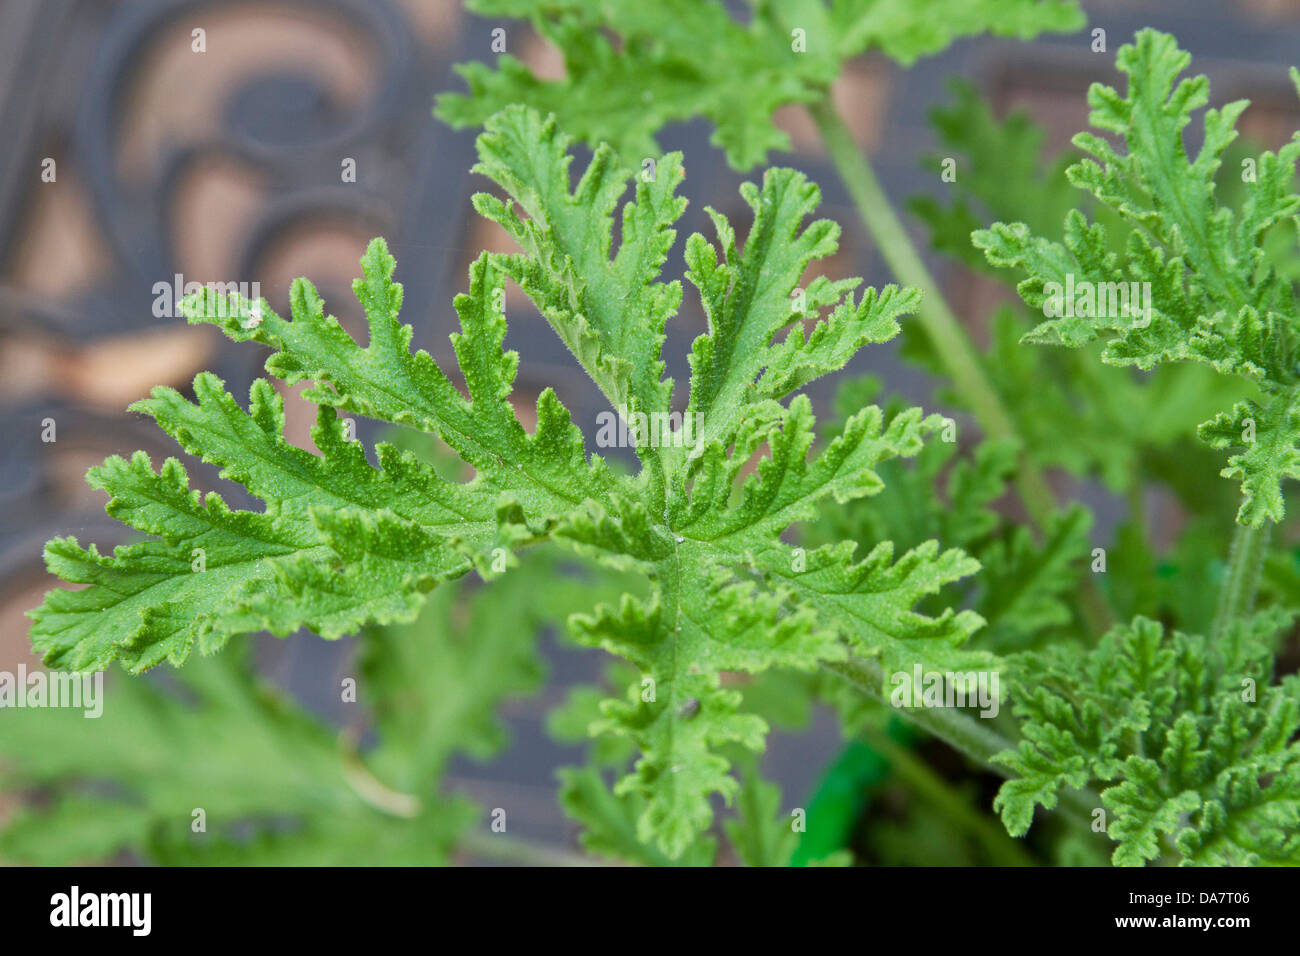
<point x="1245" y="562"/>
<point x="962" y="733"/>
<point x="967" y="735"/>
<point x="942" y="328"/>
<point x="1002" y="849"/>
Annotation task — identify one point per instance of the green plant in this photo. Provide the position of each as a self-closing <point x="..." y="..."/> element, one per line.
<point x="1215" y="296"/>
<point x="681" y="59"/>
<point x="343" y="544"/>
<point x="276" y="785"/>
<point x="685" y="59"/>
<point x="734" y="549"/>
<point x="1227" y="780"/>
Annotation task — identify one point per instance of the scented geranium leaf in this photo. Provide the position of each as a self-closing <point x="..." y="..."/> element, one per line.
<point x="760" y="833"/>
<point x="788" y="485"/>
<point x="1132" y="583"/>
<point x="274" y="785"/>
<point x="250" y="449"/>
<point x="678" y="60"/>
<point x="610" y="822"/>
<point x="871" y="600"/>
<point x="1191" y="573"/>
<point x="547" y="471"/>
<point x="974" y="485"/>
<point x="434" y="685"/>
<point x="703" y="510"/>
<point x="278" y="787"/>
<point x="1117" y="418"/>
<point x="151" y="601"/>
<point x="680" y="714"/>
<point x="747" y="299"/>
<point x="1270" y="436"/>
<point x="1192" y="280"/>
<point x="1193" y="741"/>
<point x="211" y="572"/>
<point x="611" y="312"/>
<point x="880" y="594"/>
<point x="905" y="32"/>
<point x="630" y="68"/>
<point x="571" y="722"/>
<point x="342" y="543"/>
<point x="1026" y="585"/>
<point x="1004" y="174"/>
<point x="935" y="495"/>
<point x="1280" y="577"/>
<point x="1024" y="588"/>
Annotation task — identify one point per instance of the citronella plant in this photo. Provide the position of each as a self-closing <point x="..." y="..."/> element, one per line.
<point x="822" y="560"/>
<point x="1133" y="431"/>
<point x="1191" y="736"/>
<point x="276" y="785"/>
<point x="342" y="543"/>
<point x="1211" y="295"/>
<point x="1004" y="175"/>
<point x="690" y="58"/>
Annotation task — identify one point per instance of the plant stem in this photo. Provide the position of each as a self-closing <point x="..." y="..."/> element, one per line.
<point x="964" y="734"/>
<point x="1001" y="848"/>
<point x="937" y="319"/>
<point x="1245" y="562"/>
<point x="941" y="326"/>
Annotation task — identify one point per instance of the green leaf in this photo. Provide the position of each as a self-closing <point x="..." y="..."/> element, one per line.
<point x="632" y="68"/>
<point x="343" y="543"/>
<point x="1118" y="420"/>
<point x="273" y="784"/>
<point x="1023" y="591"/>
<point x="610" y="822"/>
<point x="276" y="785"/>
<point x="1026" y="585"/>
<point x="761" y="834"/>
<point x="434" y="685"/>
<point x="1206" y="289"/>
<point x="1003" y="173"/>
<point x="1195" y="740"/>
<point x="610" y="312"/>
